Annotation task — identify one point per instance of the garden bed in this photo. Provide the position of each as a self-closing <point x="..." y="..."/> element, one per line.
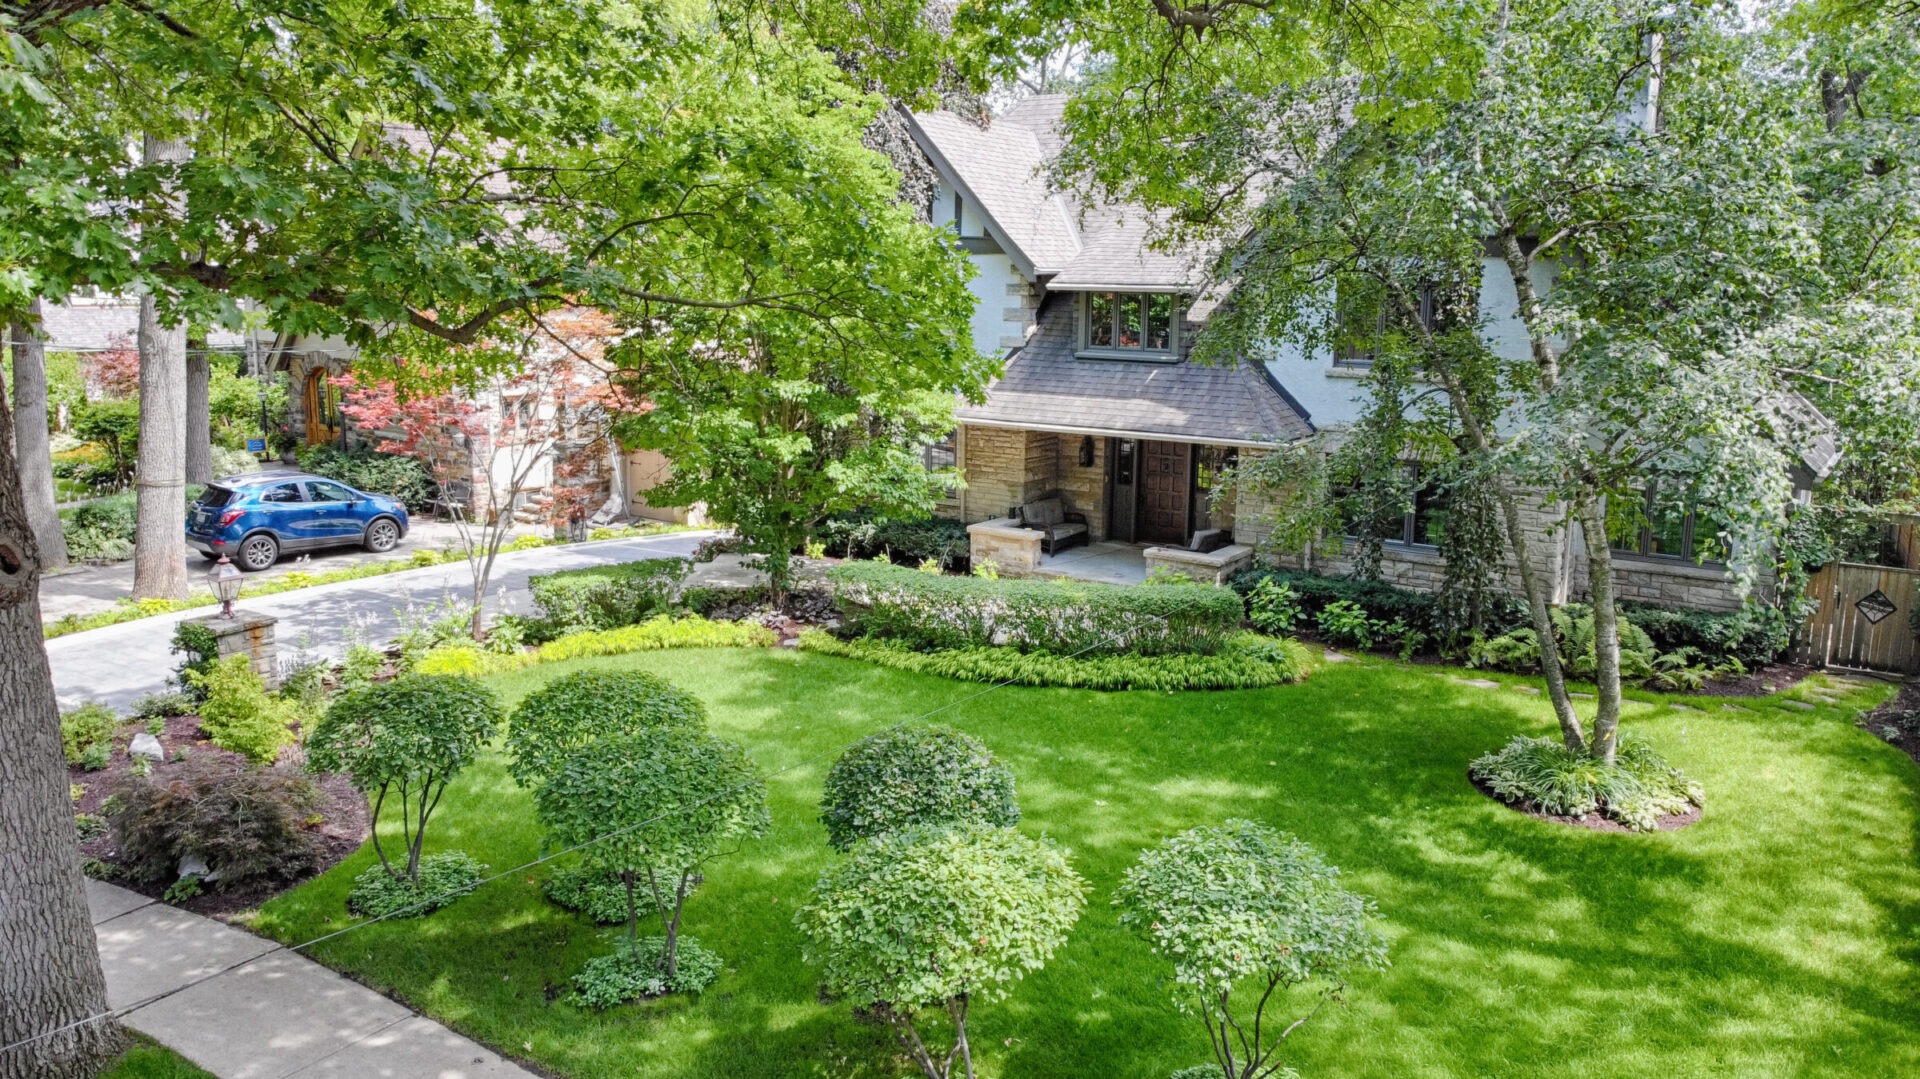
<point x="341" y="830"/>
<point x="1672" y="822"/>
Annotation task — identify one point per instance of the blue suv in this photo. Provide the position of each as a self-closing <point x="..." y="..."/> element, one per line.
<point x="252" y="518"/>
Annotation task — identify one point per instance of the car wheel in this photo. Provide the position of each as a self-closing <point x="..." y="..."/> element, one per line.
<point x="382" y="534"/>
<point x="259" y="551"/>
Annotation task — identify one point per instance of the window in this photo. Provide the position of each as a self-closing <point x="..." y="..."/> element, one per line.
<point x="1649" y="526"/>
<point x="323" y="491"/>
<point x="1421" y="520"/>
<point x="282" y="492"/>
<point x="941" y="454"/>
<point x="1363" y="317"/>
<point x="1130" y="322"/>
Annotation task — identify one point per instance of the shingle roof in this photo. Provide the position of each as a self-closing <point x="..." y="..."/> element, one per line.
<point x="1116" y="254"/>
<point x="1046" y="387"/>
<point x="999" y="168"/>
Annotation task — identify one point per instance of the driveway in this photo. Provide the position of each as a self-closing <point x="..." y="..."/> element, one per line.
<point x="120" y="664"/>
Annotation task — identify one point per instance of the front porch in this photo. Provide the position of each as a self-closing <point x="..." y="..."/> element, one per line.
<point x="1106" y="561"/>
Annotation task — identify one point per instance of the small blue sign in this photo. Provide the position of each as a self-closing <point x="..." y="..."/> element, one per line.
<point x="256" y="445"/>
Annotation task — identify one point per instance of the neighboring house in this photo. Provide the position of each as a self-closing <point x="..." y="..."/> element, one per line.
<point x="1100" y="406"/>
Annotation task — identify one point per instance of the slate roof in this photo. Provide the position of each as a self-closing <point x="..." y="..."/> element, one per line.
<point x="1815" y="437"/>
<point x="95" y="326"/>
<point x="999" y="171"/>
<point x="1046" y="387"/>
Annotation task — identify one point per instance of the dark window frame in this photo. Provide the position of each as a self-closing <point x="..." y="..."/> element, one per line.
<point x="1416" y="526"/>
<point x="1351" y="356"/>
<point x="1086" y="346"/>
<point x="1650" y="514"/>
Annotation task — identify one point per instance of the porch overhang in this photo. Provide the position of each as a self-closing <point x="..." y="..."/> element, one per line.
<point x="1116" y="432"/>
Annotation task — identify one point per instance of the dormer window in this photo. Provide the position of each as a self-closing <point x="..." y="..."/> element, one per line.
<point x="1129" y="325"/>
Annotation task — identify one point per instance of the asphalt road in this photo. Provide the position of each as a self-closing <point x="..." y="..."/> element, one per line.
<point x="120" y="664"/>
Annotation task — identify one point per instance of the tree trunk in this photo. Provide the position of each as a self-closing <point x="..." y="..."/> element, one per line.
<point x="1606" y="637"/>
<point x="49" y="967"/>
<point x="199" y="413"/>
<point x="159" y="534"/>
<point x="32" y="448"/>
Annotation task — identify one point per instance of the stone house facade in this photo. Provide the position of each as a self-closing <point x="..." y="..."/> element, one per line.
<point x="1100" y="406"/>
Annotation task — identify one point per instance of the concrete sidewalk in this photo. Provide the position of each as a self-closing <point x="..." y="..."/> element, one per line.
<point x="279" y="1016"/>
<point x="118" y="665"/>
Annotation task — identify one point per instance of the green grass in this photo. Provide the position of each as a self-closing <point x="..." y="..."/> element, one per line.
<point x="151" y="1060"/>
<point x="1776" y="937"/>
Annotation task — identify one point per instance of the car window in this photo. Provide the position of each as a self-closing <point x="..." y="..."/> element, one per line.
<point x="214" y="497"/>
<point x="322" y="491"/>
<point x="281" y="492"/>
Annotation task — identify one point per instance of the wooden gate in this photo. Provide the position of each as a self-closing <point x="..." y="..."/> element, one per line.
<point x="1865" y="618"/>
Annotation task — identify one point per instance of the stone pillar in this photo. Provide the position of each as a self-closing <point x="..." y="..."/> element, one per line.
<point x="245" y="634"/>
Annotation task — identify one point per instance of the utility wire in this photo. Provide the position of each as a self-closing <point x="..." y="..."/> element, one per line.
<point x="155" y="998"/>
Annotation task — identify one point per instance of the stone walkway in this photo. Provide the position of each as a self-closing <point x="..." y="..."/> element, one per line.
<point x="279" y="1016"/>
<point x="120" y="664"/>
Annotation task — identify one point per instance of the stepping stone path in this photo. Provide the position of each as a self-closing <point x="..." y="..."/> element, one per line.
<point x="1337" y="657"/>
<point x="1734" y="708"/>
<point x="1478" y="683"/>
<point x="1801" y="705"/>
<point x="1530" y="690"/>
<point x="1581" y="696"/>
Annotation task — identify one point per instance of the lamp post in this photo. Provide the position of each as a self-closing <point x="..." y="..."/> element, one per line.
<point x="225" y="579"/>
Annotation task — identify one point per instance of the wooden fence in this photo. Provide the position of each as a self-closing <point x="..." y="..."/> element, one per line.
<point x="1865" y="617"/>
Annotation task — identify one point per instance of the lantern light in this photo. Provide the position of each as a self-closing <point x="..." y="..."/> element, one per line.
<point x="225" y="579"/>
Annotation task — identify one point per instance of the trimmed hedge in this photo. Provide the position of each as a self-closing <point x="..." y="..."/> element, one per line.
<point x="656" y="634"/>
<point x="608" y="597"/>
<point x="930" y="612"/>
<point x="584" y="707"/>
<point x="1247" y="661"/>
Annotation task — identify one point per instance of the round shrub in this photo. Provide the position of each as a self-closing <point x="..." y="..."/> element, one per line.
<point x="572" y="712"/>
<point x="247" y="824"/>
<point x="915" y="776"/>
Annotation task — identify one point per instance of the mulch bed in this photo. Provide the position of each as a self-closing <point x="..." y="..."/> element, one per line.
<point x="1594" y="822"/>
<point x="1897" y="722"/>
<point x="340" y="831"/>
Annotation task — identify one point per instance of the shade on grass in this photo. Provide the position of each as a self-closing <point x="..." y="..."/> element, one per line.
<point x="1776" y="937"/>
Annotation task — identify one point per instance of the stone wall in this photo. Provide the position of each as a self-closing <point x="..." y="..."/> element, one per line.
<point x="1018" y="315"/>
<point x="1083" y="489"/>
<point x="1004" y="468"/>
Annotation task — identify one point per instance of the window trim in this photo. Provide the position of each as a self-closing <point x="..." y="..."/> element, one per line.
<point x="1083" y="330"/>
<point x="1642" y="551"/>
<point x="1409" y="517"/>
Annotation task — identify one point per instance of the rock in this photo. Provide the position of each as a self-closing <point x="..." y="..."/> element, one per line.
<point x="1336" y="657"/>
<point x="192" y="865"/>
<point x="1478" y="683"/>
<point x="1801" y="705"/>
<point x="1531" y="690"/>
<point x="146" y="745"/>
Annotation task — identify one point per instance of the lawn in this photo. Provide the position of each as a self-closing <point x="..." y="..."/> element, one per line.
<point x="150" y="1060"/>
<point x="1776" y="937"/>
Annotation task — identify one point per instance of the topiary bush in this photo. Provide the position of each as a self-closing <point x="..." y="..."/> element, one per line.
<point x="608" y="597"/>
<point x="238" y="714"/>
<point x="1541" y="774"/>
<point x="85" y="727"/>
<point x="930" y="612"/>
<point x="576" y="710"/>
<point x="247" y="824"/>
<point x="938" y="921"/>
<point x="409" y="737"/>
<point x="1248" y="661"/>
<point x="914" y="776"/>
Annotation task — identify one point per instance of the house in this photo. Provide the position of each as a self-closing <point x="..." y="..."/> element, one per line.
<point x="1100" y="407"/>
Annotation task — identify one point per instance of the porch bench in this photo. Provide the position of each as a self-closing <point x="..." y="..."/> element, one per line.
<point x="1211" y="567"/>
<point x="1058" y="528"/>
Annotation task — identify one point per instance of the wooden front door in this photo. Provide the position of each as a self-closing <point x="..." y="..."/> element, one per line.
<point x="1166" y="491"/>
<point x="322" y="408"/>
